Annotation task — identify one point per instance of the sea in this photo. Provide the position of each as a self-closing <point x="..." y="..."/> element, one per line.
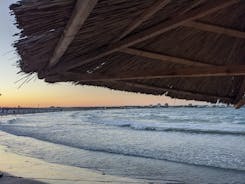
<point x="174" y="145"/>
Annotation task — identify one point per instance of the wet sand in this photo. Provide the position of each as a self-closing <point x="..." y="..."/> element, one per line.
<point x="21" y="169"/>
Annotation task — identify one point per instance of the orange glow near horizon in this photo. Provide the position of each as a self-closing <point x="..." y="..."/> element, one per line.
<point x="40" y="94"/>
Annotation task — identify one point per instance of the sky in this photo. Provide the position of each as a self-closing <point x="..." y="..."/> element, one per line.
<point x="37" y="93"/>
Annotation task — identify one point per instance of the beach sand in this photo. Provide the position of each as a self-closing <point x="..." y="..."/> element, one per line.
<point x="9" y="179"/>
<point x="21" y="169"/>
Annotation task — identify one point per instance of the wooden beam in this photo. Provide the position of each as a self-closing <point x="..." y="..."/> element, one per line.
<point x="184" y="92"/>
<point x="215" y="29"/>
<point x="240" y="98"/>
<point x="240" y="103"/>
<point x="163" y="57"/>
<point x="195" y="4"/>
<point x="189" y="72"/>
<point x="159" y="29"/>
<point x="80" y="13"/>
<point x="158" y="5"/>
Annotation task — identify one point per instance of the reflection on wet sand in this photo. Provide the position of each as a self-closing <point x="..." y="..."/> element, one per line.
<point x="26" y="170"/>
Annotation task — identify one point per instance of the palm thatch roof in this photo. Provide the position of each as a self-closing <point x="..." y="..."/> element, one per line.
<point x="188" y="49"/>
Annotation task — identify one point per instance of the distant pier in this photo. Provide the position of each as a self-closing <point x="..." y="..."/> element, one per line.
<point x="12" y="111"/>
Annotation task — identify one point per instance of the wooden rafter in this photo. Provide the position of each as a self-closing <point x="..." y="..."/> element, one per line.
<point x="163" y="57"/>
<point x="80" y="13"/>
<point x="164" y="89"/>
<point x="158" y="5"/>
<point x="190" y="72"/>
<point x="168" y="25"/>
<point x="194" y="5"/>
<point x="215" y="29"/>
<point x="240" y="98"/>
<point x="240" y="103"/>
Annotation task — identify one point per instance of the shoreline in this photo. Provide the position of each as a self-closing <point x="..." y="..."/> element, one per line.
<point x="22" y="169"/>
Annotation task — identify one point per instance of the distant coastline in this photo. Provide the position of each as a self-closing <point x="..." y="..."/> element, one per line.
<point x="25" y="110"/>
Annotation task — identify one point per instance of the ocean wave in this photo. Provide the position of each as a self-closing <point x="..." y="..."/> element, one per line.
<point x="74" y="115"/>
<point x="196" y="131"/>
<point x="143" y="127"/>
<point x="13" y="121"/>
<point x="148" y="126"/>
<point x="120" y="152"/>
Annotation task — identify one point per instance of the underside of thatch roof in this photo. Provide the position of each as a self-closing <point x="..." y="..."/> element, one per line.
<point x="188" y="49"/>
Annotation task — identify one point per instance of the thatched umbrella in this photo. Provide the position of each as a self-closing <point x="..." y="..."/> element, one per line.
<point x="185" y="49"/>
